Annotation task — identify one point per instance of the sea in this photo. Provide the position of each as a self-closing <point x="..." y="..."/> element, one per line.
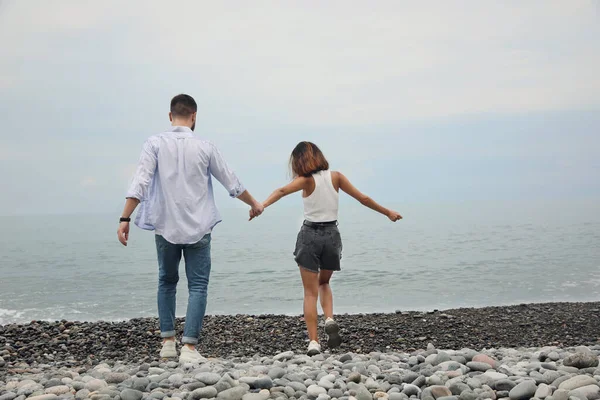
<point x="440" y="256"/>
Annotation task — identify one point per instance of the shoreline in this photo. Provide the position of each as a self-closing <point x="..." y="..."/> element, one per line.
<point x="137" y="340"/>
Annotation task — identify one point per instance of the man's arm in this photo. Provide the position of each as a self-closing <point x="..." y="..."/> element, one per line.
<point x="123" y="231"/>
<point x="221" y="171"/>
<point x="138" y="188"/>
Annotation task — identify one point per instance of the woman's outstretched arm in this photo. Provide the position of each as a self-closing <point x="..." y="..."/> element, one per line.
<point x="294" y="186"/>
<point x="365" y="200"/>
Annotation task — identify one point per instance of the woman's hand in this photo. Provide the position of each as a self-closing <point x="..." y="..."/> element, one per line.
<point x="394" y="216"/>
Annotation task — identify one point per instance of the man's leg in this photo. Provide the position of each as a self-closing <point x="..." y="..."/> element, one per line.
<point x="169" y="256"/>
<point x="197" y="269"/>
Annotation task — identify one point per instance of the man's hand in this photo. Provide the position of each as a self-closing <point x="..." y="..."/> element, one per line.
<point x="256" y="210"/>
<point x="123" y="233"/>
<point x="394" y="216"/>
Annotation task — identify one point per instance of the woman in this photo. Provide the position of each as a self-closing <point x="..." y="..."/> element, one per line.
<point x="319" y="245"/>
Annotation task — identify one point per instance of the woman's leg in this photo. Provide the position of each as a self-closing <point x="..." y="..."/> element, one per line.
<point x="325" y="293"/>
<point x="310" y="280"/>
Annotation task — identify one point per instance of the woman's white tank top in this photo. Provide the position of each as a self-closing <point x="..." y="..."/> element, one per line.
<point x="323" y="203"/>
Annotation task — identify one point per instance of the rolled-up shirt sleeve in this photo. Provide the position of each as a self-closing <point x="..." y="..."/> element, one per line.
<point x="138" y="189"/>
<point x="220" y="170"/>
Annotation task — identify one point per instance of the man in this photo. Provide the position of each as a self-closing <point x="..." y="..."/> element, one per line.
<point x="173" y="182"/>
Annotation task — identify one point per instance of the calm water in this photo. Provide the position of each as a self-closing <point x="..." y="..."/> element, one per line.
<point x="440" y="256"/>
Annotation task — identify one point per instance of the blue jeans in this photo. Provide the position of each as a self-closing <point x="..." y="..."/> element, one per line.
<point x="197" y="270"/>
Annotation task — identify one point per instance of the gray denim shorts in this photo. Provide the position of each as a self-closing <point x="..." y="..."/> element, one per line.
<point x="319" y="247"/>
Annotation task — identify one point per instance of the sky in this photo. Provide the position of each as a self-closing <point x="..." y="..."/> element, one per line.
<point x="429" y="101"/>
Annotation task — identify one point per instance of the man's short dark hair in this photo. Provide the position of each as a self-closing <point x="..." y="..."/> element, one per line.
<point x="183" y="106"/>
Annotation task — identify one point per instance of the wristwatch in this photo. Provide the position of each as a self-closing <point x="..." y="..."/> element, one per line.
<point x="124" y="219"/>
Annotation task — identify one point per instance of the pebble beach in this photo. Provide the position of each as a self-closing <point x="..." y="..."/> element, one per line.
<point x="528" y="351"/>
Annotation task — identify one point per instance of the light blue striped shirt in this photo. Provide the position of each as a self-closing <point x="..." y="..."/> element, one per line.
<point x="173" y="182"/>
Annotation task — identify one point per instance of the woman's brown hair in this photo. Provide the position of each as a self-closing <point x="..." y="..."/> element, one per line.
<point x="307" y="159"/>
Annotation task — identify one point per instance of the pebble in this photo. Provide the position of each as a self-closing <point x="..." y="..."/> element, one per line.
<point x="235" y="393"/>
<point x="58" y="390"/>
<point x="523" y="391"/>
<point x="208" y="378"/>
<point x="479" y="366"/>
<point x="355" y="377"/>
<point x="314" y="391"/>
<point x="462" y="374"/>
<point x="577" y="382"/>
<point x="131" y="394"/>
<point x="204" y="393"/>
<point x="543" y="391"/>
<point x="95" y="384"/>
<point x="581" y="360"/>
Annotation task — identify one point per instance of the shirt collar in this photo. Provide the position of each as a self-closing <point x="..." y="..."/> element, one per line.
<point x="181" y="129"/>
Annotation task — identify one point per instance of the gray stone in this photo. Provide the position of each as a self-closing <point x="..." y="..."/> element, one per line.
<point x="479" y="366"/>
<point x="447" y="398"/>
<point x="345" y="357"/>
<point x="523" y="391"/>
<point x="140" y="384"/>
<point x="190" y="387"/>
<point x="204" y="393"/>
<point x="255" y="396"/>
<point x="324" y="383"/>
<point x="560" y="395"/>
<point x="235" y="393"/>
<point x="53" y="382"/>
<point x="440" y="391"/>
<point x="263" y="383"/>
<point x="297" y="386"/>
<point x="581" y="360"/>
<point x="441" y="357"/>
<point x="44" y="397"/>
<point x="554" y="356"/>
<point x="398" y="396"/>
<point x="208" y="378"/>
<point x="314" y="391"/>
<point x="362" y="393"/>
<point x="156" y="371"/>
<point x="131" y="394"/>
<point x="8" y="396"/>
<point x="226" y="382"/>
<point x="504" y="385"/>
<point x="586" y="391"/>
<point x="276" y="373"/>
<point x="468" y="395"/>
<point x="411" y="390"/>
<point x="116" y="377"/>
<point x="82" y="394"/>
<point x="288" y="355"/>
<point x="95" y="384"/>
<point x="355" y="377"/>
<point x="409" y="377"/>
<point x="543" y="391"/>
<point x="577" y="382"/>
<point x="458" y="387"/>
<point x="2" y="362"/>
<point x="78" y="385"/>
<point x="420" y="381"/>
<point x="58" y="390"/>
<point x="333" y="393"/>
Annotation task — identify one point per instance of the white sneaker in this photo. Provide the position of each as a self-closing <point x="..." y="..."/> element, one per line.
<point x="314" y="348"/>
<point x="169" y="349"/>
<point x="333" y="332"/>
<point x="190" y="356"/>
